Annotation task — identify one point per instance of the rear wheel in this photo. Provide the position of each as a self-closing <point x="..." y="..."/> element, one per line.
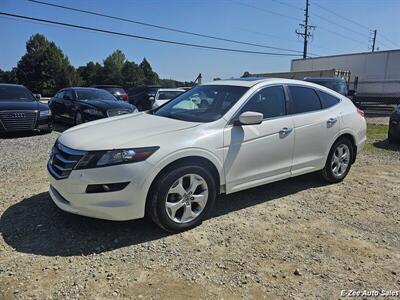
<point x="182" y="198"/>
<point x="339" y="161"/>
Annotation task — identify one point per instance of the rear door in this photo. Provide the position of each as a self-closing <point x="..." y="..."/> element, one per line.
<point x="315" y="128"/>
<point x="258" y="154"/>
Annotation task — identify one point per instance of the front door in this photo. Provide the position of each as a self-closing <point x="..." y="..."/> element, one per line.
<point x="258" y="154"/>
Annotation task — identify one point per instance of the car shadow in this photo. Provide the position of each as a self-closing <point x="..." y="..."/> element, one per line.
<point x="35" y="225"/>
<point x="386" y="145"/>
<point x="61" y="127"/>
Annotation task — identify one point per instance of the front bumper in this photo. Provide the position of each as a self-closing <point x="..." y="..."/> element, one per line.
<point x="70" y="195"/>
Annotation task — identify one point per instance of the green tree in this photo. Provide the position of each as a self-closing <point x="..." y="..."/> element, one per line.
<point x="246" y="74"/>
<point x="91" y="74"/>
<point x="9" y="76"/>
<point x="132" y="75"/>
<point x="112" y="69"/>
<point x="150" y="75"/>
<point x="44" y="68"/>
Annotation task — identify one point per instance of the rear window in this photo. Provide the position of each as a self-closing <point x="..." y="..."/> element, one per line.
<point x="304" y="99"/>
<point x="115" y="90"/>
<point x="15" y="93"/>
<point x="327" y="99"/>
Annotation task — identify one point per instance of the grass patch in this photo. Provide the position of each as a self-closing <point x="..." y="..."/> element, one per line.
<point x="377" y="141"/>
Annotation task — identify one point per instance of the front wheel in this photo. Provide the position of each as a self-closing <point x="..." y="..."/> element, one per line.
<point x="182" y="198"/>
<point x="339" y="161"/>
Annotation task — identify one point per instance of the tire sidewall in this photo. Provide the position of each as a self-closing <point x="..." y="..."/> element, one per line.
<point x="162" y="188"/>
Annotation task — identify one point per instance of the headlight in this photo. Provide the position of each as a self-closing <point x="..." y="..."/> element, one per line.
<point x="115" y="157"/>
<point x="93" y="111"/>
<point x="45" y="113"/>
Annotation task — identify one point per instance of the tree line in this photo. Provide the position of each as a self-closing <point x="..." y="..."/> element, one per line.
<point x="44" y="69"/>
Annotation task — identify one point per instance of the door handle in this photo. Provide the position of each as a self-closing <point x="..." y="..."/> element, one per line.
<point x="285" y="131"/>
<point x="331" y="121"/>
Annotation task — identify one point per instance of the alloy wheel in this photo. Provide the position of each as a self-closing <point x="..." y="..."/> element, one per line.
<point x="340" y="160"/>
<point x="186" y="198"/>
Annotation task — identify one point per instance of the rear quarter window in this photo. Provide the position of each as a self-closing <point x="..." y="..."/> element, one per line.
<point x="328" y="100"/>
<point x="304" y="99"/>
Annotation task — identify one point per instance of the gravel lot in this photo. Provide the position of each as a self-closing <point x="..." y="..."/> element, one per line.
<point x="295" y="239"/>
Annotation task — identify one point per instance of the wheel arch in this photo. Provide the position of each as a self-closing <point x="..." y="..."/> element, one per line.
<point x="185" y="160"/>
<point x="352" y="139"/>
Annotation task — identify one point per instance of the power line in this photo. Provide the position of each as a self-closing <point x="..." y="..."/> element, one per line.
<point x="340" y="16"/>
<point x="144" y="37"/>
<point x="265" y="10"/>
<point x="355" y="23"/>
<point x="162" y="27"/>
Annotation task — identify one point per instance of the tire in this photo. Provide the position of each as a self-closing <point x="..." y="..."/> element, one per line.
<point x="78" y="118"/>
<point x="337" y="166"/>
<point x="170" y="210"/>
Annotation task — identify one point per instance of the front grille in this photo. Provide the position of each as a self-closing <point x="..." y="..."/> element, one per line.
<point x="63" y="160"/>
<point x="16" y="120"/>
<point x="117" y="112"/>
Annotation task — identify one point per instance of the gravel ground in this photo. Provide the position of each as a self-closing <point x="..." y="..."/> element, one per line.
<point x="294" y="239"/>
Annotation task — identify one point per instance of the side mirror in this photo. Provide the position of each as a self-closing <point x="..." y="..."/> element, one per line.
<point x="37" y="96"/>
<point x="351" y="93"/>
<point x="250" y="118"/>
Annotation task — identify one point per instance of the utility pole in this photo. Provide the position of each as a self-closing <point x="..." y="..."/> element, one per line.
<point x="306" y="34"/>
<point x="373" y="40"/>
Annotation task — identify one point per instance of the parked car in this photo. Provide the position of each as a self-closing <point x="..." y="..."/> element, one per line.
<point x="116" y="90"/>
<point x="78" y="105"/>
<point x="337" y="84"/>
<point x="164" y="95"/>
<point x="394" y="126"/>
<point x="20" y="110"/>
<point x="170" y="163"/>
<point x="143" y="97"/>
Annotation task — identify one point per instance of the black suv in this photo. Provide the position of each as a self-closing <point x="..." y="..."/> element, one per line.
<point x="20" y="110"/>
<point x="79" y="105"/>
<point x="143" y="97"/>
<point x="337" y="84"/>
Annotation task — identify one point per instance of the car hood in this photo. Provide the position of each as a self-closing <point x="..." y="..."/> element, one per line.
<point x="127" y="131"/>
<point x="107" y="104"/>
<point x="22" y="105"/>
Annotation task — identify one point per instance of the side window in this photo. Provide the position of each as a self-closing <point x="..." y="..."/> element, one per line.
<point x="327" y="99"/>
<point x="269" y="101"/>
<point x="60" y="95"/>
<point x="304" y="99"/>
<point x="69" y="95"/>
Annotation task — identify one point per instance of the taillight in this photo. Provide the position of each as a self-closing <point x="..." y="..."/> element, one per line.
<point x="124" y="97"/>
<point x="361" y="112"/>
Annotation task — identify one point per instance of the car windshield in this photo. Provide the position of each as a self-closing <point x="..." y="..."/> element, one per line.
<point x="94" y="94"/>
<point x="166" y="95"/>
<point x="336" y="85"/>
<point x="204" y="103"/>
<point x="15" y="93"/>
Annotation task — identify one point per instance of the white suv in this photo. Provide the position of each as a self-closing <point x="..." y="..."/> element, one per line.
<point x="220" y="137"/>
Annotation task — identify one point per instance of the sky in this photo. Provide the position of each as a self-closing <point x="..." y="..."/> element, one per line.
<point x="266" y="22"/>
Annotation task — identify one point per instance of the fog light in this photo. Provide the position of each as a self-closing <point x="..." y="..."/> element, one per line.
<point x="106" y="187"/>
